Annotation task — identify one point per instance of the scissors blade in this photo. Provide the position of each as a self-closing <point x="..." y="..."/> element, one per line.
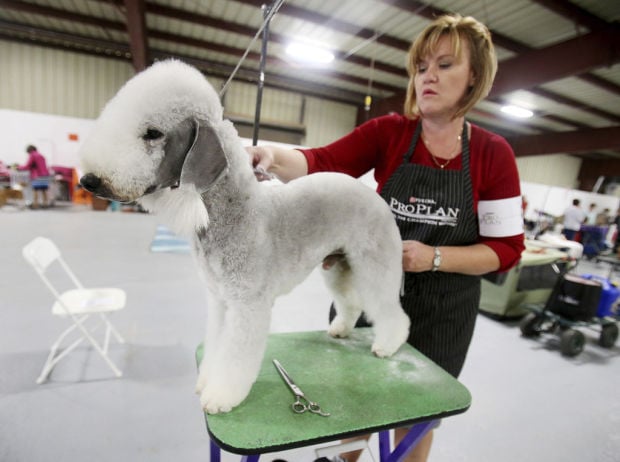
<point x="287" y="378"/>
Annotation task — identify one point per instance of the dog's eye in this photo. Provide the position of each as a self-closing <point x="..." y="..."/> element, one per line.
<point x="152" y="134"/>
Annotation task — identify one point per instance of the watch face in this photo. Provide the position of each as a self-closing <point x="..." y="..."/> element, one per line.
<point x="437" y="259"/>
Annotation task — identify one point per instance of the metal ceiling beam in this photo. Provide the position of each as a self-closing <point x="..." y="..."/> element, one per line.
<point x="330" y="22"/>
<point x="575" y="56"/>
<point x="62" y="40"/>
<point x="61" y="14"/>
<point x="136" y="28"/>
<point x="574" y="13"/>
<point x="566" y="142"/>
<point x="86" y="45"/>
<point x="220" y="24"/>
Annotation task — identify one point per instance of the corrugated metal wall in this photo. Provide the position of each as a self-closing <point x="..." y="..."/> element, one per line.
<point x="321" y="117"/>
<point x="553" y="170"/>
<point x="37" y="79"/>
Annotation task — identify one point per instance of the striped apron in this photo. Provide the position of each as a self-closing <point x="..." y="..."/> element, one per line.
<point x="436" y="207"/>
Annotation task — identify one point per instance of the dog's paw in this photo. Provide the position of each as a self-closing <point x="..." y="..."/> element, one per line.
<point x="388" y="342"/>
<point x="382" y="352"/>
<point x="215" y="400"/>
<point x="338" y="328"/>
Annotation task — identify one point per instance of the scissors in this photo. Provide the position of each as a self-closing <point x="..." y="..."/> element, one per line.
<point x="301" y="404"/>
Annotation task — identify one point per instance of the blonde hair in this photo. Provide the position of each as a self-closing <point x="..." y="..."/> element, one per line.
<point x="483" y="60"/>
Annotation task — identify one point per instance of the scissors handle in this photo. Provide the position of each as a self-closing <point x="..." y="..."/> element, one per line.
<point x="299" y="407"/>
<point x="316" y="409"/>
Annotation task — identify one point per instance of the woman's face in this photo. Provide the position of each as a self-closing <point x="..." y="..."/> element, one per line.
<point x="442" y="79"/>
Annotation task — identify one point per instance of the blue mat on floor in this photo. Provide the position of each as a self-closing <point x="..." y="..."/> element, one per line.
<point x="166" y="241"/>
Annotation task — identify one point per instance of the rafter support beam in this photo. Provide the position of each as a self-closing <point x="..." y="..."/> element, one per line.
<point x="566" y="59"/>
<point x="566" y="142"/>
<point x="136" y="28"/>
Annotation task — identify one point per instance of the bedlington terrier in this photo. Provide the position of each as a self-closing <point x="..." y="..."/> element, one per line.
<point x="163" y="141"/>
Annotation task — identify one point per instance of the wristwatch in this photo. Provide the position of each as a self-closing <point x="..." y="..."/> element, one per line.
<point x="436" y="259"/>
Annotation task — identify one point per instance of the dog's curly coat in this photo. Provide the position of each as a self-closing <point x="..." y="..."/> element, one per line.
<point x="162" y="141"/>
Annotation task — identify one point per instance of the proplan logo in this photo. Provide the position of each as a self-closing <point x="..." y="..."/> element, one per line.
<point x="424" y="211"/>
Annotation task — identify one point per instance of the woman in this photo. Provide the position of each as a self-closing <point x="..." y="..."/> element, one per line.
<point x="39" y="175"/>
<point x="453" y="187"/>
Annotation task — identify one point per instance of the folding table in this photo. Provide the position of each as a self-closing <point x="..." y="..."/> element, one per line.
<point x="363" y="393"/>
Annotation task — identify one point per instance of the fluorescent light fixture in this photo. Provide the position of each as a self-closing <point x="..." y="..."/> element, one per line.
<point x="517" y="111"/>
<point x="309" y="53"/>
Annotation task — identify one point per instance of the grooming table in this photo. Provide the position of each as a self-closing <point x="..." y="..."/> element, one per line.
<point x="363" y="393"/>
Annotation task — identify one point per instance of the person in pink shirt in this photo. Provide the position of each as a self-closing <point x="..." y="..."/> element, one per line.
<point x="39" y="175"/>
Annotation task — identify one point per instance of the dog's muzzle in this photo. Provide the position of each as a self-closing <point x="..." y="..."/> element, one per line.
<point x="91" y="183"/>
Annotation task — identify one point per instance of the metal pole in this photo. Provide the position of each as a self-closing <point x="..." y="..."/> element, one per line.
<point x="261" y="75"/>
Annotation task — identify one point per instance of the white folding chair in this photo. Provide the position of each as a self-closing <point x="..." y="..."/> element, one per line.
<point x="76" y="304"/>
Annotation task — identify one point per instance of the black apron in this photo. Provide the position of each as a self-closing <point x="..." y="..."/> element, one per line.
<point x="436" y="207"/>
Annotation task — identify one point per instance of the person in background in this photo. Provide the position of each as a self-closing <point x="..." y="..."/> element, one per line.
<point x="591" y="215"/>
<point x="616" y="221"/>
<point x="453" y="188"/>
<point x="574" y="217"/>
<point x="603" y="218"/>
<point x="39" y="175"/>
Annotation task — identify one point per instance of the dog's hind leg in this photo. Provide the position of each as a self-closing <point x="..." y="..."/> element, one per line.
<point x="238" y="355"/>
<point x="346" y="301"/>
<point x="379" y="292"/>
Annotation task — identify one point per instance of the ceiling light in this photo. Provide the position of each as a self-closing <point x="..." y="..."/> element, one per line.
<point x="517" y="111"/>
<point x="309" y="53"/>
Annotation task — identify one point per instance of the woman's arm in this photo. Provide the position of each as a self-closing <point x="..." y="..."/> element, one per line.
<point x="286" y="164"/>
<point x="476" y="259"/>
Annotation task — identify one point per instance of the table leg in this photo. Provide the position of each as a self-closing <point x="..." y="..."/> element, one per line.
<point x="406" y="445"/>
<point x="216" y="453"/>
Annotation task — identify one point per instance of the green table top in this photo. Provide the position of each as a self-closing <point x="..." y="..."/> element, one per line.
<point x="363" y="393"/>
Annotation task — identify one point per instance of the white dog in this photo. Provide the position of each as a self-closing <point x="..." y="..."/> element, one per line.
<point x="162" y="141"/>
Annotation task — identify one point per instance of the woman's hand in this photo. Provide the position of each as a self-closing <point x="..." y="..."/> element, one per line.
<point x="261" y="159"/>
<point x="286" y="164"/>
<point x="417" y="257"/>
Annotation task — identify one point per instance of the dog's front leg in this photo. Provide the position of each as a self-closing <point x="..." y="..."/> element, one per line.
<point x="216" y="310"/>
<point x="238" y="355"/>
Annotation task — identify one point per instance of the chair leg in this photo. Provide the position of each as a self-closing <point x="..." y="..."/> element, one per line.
<point x="97" y="347"/>
<point x="52" y="359"/>
<point x="112" y="329"/>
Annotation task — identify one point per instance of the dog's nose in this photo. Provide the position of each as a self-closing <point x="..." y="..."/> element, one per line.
<point x="90" y="182"/>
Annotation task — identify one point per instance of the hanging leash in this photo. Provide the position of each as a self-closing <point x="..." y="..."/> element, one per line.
<point x="273" y="10"/>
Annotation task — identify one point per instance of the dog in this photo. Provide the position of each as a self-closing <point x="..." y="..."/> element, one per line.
<point x="162" y="141"/>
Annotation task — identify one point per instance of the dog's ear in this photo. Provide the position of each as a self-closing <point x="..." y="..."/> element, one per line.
<point x="206" y="160"/>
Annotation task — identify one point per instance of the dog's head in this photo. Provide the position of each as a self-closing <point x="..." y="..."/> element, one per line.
<point x="159" y="131"/>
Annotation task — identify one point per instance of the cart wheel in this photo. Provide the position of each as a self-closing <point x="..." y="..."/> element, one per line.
<point x="572" y="342"/>
<point x="609" y="335"/>
<point x="530" y="325"/>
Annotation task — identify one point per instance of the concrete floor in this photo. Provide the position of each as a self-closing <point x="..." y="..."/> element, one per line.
<point x="529" y="402"/>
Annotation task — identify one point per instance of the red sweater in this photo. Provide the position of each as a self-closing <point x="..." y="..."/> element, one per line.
<point x="381" y="143"/>
<point x="36" y="164"/>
